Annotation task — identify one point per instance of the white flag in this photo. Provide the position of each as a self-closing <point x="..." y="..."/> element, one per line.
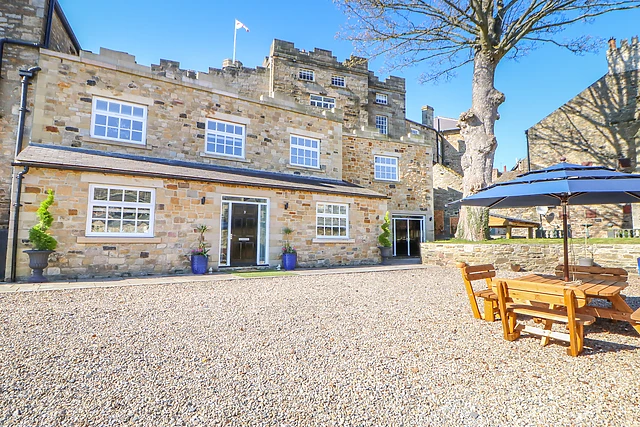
<point x="241" y="25"/>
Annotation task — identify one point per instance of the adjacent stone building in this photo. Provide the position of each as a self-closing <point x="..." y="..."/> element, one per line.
<point x="138" y="156"/>
<point x="599" y="126"/>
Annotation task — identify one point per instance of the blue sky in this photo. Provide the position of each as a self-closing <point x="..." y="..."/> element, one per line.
<point x="199" y="34"/>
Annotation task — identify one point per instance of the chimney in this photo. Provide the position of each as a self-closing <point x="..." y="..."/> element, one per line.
<point x="228" y="63"/>
<point x="505" y="169"/>
<point x="427" y="115"/>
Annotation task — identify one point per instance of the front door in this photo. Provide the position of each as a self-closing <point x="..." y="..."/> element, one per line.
<point x="244" y="234"/>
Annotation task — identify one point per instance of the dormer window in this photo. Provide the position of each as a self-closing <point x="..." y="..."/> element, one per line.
<point x="306" y="75"/>
<point x="381" y="99"/>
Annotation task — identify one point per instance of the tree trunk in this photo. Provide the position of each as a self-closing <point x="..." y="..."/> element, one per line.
<point x="477" y="129"/>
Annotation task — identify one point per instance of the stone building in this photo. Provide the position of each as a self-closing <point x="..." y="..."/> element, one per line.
<point x="599" y="126"/>
<point x="139" y="155"/>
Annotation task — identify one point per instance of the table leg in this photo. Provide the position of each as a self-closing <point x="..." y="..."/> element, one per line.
<point x="621" y="305"/>
<point x="544" y="341"/>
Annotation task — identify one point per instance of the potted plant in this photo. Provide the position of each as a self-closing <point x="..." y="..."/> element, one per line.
<point x="289" y="254"/>
<point x="43" y="243"/>
<point x="200" y="255"/>
<point x="384" y="239"/>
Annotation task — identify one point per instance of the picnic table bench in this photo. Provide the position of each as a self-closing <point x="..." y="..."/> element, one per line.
<point x="549" y="303"/>
<point x="486" y="272"/>
<point x="579" y="272"/>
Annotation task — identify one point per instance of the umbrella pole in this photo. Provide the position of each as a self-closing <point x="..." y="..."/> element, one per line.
<point x="565" y="239"/>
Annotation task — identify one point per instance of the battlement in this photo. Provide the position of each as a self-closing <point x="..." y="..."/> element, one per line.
<point x="390" y="83"/>
<point x="318" y="56"/>
<point x="624" y="58"/>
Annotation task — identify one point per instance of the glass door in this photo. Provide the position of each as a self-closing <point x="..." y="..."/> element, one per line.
<point x="408" y="233"/>
<point x="244" y="231"/>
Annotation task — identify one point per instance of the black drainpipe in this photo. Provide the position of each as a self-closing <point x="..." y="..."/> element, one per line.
<point x="26" y="75"/>
<point x="5" y="40"/>
<point x="16" y="217"/>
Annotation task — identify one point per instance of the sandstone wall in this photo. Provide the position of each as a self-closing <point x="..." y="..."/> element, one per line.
<point x="177" y="115"/>
<point x="447" y="188"/>
<point x="22" y="20"/>
<point x="413" y="190"/>
<point x="178" y="211"/>
<point x="531" y="257"/>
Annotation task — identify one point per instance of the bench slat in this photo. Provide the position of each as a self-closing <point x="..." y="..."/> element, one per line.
<point x="476" y="268"/>
<point x="549" y="314"/>
<point x="636" y="315"/>
<point x="481" y="275"/>
<point x="486" y="294"/>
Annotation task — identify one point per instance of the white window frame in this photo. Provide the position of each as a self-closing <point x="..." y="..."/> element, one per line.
<point x="297" y="145"/>
<point x="119" y="116"/>
<point x="380" y="165"/>
<point x="225" y="134"/>
<point x="306" y="75"/>
<point x="382" y="124"/>
<point x="322" y="101"/>
<point x="338" y="81"/>
<point x="332" y="216"/>
<point x="92" y="203"/>
<point x="382" y="99"/>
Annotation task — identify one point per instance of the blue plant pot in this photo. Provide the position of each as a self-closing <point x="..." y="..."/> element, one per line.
<point x="289" y="261"/>
<point x="199" y="264"/>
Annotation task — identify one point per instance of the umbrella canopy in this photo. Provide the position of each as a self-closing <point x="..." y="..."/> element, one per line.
<point x="560" y="185"/>
<point x="576" y="184"/>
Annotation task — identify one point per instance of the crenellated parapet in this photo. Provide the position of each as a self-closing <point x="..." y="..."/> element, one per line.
<point x="624" y="58"/>
<point x="317" y="57"/>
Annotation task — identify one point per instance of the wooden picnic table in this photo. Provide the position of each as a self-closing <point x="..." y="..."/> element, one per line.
<point x="593" y="288"/>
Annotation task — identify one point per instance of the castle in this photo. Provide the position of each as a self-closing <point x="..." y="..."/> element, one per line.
<point x="138" y="156"/>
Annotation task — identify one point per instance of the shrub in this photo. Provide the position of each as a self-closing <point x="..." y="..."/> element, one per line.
<point x="385" y="237"/>
<point x="40" y="239"/>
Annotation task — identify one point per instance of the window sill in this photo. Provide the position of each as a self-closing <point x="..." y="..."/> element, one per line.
<point x="105" y="239"/>
<point x="118" y="143"/>
<point x="221" y="157"/>
<point x="333" y="240"/>
<point x="396" y="181"/>
<point x="305" y="168"/>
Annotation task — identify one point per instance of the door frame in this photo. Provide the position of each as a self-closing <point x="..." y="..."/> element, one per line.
<point x="421" y="218"/>
<point x="260" y="204"/>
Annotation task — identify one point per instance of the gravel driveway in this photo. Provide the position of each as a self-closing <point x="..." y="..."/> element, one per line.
<point x="394" y="348"/>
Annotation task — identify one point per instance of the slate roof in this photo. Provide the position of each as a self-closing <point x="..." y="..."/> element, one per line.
<point x="79" y="159"/>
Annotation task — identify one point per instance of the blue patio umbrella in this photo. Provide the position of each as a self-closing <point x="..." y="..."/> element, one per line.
<point x="560" y="185"/>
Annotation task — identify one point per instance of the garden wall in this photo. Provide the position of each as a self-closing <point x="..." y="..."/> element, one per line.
<point x="531" y="257"/>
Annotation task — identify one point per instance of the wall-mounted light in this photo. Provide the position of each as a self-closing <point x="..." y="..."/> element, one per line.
<point x="203" y="200"/>
<point x="286" y="206"/>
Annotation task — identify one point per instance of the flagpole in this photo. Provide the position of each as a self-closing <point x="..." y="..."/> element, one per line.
<point x="235" y="33"/>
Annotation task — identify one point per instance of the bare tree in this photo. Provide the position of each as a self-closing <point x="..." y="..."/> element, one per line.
<point x="447" y="34"/>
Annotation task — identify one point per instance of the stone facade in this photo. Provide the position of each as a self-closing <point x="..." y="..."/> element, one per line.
<point x="271" y="104"/>
<point x="531" y="257"/>
<point x="599" y="126"/>
<point x="176" y="115"/>
<point x="178" y="210"/>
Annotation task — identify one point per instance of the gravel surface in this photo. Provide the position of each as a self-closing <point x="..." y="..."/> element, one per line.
<point x="396" y="348"/>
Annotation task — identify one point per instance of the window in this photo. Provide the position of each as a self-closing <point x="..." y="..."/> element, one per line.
<point x="386" y="168"/>
<point x="381" y="98"/>
<point x="225" y="138"/>
<point x="120" y="211"/>
<point x="415" y="131"/>
<point x="304" y="151"/>
<point x="381" y="124"/>
<point x="306" y="75"/>
<point x="119" y="121"/>
<point x="332" y="221"/>
<point x="323" y="101"/>
<point x="337" y="81"/>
